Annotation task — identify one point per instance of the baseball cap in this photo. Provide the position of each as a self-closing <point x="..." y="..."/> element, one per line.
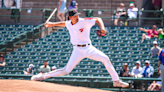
<point x="73" y="3"/>
<point x="125" y="63"/>
<point x="54" y="67"/>
<point x="31" y="66"/>
<point x="131" y="4"/>
<point x="138" y="62"/>
<point x="121" y="4"/>
<point x="73" y="12"/>
<point x="147" y="61"/>
<point x="154" y="42"/>
<point x="160" y="30"/>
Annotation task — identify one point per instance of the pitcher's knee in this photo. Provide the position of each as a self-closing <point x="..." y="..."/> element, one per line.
<point x="106" y="58"/>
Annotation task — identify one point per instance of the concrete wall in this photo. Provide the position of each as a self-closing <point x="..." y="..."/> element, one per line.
<point x="83" y="4"/>
<point x="88" y="4"/>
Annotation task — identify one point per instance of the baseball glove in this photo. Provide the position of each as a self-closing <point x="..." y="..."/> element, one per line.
<point x="99" y="33"/>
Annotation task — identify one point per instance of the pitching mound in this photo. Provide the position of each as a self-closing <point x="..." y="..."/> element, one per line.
<point x="33" y="86"/>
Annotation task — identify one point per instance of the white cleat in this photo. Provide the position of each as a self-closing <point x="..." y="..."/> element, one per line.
<point x="119" y="83"/>
<point x="37" y="77"/>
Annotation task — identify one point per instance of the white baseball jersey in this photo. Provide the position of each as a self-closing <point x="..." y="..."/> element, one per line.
<point x="80" y="32"/>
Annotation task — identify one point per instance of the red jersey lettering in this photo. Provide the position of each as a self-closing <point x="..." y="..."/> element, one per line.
<point x="81" y="30"/>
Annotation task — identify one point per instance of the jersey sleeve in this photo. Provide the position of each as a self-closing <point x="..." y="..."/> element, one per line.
<point x="148" y="31"/>
<point x="90" y="21"/>
<point x="66" y="23"/>
<point x="128" y="11"/>
<point x="160" y="56"/>
<point x="132" y="73"/>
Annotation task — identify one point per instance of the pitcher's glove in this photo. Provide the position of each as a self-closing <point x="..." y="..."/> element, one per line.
<point x="100" y="34"/>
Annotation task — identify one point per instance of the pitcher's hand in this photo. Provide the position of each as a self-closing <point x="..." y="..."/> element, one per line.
<point x="48" y="24"/>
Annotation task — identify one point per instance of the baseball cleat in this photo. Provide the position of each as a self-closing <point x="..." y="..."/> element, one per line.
<point x="119" y="83"/>
<point x="37" y="77"/>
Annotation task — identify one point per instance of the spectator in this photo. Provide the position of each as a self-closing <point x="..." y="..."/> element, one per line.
<point x="73" y="5"/>
<point x="30" y="70"/>
<point x="160" y="33"/>
<point x="132" y="11"/>
<point x="61" y="10"/>
<point x="53" y="68"/>
<point x="155" y="86"/>
<point x="157" y="4"/>
<point x="161" y="65"/>
<point x="151" y="33"/>
<point x="120" y="13"/>
<point x="76" y="6"/>
<point x="125" y="71"/>
<point x="147" y="70"/>
<point x="2" y="61"/>
<point x="44" y="68"/>
<point x="137" y="70"/>
<point x="132" y="1"/>
<point x="155" y="49"/>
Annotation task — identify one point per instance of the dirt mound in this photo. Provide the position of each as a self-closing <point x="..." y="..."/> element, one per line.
<point x="33" y="86"/>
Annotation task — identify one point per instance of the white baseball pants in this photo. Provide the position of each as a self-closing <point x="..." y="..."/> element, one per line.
<point x="80" y="53"/>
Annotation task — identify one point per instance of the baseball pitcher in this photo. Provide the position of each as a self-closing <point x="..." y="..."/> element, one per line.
<point x="79" y="30"/>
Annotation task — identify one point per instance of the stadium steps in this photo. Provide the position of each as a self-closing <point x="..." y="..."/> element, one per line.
<point x="8" y="33"/>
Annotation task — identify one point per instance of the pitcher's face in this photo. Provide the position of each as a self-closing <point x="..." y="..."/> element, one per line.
<point x="74" y="18"/>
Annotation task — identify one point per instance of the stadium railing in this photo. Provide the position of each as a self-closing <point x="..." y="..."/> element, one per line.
<point x="129" y="79"/>
<point x="88" y="13"/>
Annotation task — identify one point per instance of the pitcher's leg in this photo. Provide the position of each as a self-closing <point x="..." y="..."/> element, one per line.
<point x="104" y="58"/>
<point x="97" y="55"/>
<point x="75" y="58"/>
<point x="100" y="56"/>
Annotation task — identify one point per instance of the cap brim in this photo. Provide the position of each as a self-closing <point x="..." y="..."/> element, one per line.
<point x="77" y="14"/>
